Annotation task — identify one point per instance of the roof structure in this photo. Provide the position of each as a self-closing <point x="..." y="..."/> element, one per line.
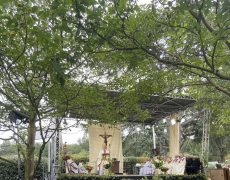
<point x="162" y="107"/>
<point x="159" y="107"/>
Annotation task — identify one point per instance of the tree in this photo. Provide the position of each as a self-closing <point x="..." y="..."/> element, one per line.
<point x="219" y="138"/>
<point x="41" y="71"/>
<point x="166" y="47"/>
<point x="46" y="74"/>
<point x="219" y="147"/>
<point x="140" y="136"/>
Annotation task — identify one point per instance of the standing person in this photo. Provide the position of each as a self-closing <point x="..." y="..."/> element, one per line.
<point x="103" y="159"/>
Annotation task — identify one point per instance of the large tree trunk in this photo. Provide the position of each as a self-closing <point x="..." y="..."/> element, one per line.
<point x="29" y="159"/>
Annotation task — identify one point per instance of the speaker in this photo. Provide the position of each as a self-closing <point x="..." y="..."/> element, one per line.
<point x="15" y="116"/>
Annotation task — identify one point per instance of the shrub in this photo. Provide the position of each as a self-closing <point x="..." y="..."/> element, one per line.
<point x="133" y="159"/>
<point x="9" y="169"/>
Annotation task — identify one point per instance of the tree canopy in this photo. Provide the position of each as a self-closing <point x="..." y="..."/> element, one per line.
<point x="58" y="57"/>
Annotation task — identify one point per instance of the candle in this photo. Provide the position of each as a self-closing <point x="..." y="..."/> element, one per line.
<point x="154" y="138"/>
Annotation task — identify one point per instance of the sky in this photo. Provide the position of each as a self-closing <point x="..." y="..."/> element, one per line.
<point x="144" y="1"/>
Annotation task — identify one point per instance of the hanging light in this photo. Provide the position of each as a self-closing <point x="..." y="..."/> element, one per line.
<point x="173" y="121"/>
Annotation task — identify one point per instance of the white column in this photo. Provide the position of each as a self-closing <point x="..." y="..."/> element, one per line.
<point x="174" y="139"/>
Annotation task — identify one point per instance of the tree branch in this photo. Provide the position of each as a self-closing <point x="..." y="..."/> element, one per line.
<point x="225" y="91"/>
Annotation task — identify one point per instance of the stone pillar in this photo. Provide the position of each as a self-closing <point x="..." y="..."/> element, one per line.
<point x="174" y="139"/>
<point x="96" y="142"/>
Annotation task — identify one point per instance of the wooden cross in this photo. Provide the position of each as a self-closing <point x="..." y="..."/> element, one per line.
<point x="105" y="136"/>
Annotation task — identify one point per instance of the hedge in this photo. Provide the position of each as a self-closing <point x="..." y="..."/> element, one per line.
<point x="114" y="177"/>
<point x="9" y="171"/>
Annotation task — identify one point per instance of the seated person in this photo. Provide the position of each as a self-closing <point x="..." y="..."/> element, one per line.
<point x="71" y="166"/>
<point x="81" y="168"/>
<point x="147" y="169"/>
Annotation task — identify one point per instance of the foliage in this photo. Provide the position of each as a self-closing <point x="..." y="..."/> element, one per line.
<point x="165" y="48"/>
<point x="135" y="159"/>
<point x="82" y="144"/>
<point x="35" y="64"/>
<point x="9" y="171"/>
<point x="8" y="149"/>
<point x="79" y="151"/>
<point x="83" y="155"/>
<point x="191" y="147"/>
<point x="107" y="166"/>
<point x="139" y="136"/>
<point x="44" y="72"/>
<point x="158" y="162"/>
<point x="219" y="147"/>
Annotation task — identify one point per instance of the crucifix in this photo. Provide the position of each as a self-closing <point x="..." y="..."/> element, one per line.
<point x="105" y="136"/>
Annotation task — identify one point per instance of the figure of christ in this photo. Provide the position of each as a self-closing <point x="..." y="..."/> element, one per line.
<point x="105" y="136"/>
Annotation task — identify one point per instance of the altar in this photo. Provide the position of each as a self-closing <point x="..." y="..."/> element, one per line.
<point x="111" y="136"/>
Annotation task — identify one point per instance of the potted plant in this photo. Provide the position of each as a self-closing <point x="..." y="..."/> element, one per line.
<point x="107" y="168"/>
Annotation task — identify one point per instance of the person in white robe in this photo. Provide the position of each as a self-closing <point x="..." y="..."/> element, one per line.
<point x="147" y="169"/>
<point x="81" y="168"/>
<point x="103" y="159"/>
<point x="71" y="166"/>
<point x="178" y="165"/>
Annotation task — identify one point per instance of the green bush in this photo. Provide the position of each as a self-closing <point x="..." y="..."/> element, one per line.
<point x="9" y="169"/>
<point x="80" y="156"/>
<point x="133" y="159"/>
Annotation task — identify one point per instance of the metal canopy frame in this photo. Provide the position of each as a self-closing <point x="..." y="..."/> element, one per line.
<point x="205" y="136"/>
<point x="162" y="107"/>
<point x="159" y="107"/>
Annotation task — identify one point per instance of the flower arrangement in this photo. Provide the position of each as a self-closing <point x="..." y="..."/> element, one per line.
<point x="158" y="163"/>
